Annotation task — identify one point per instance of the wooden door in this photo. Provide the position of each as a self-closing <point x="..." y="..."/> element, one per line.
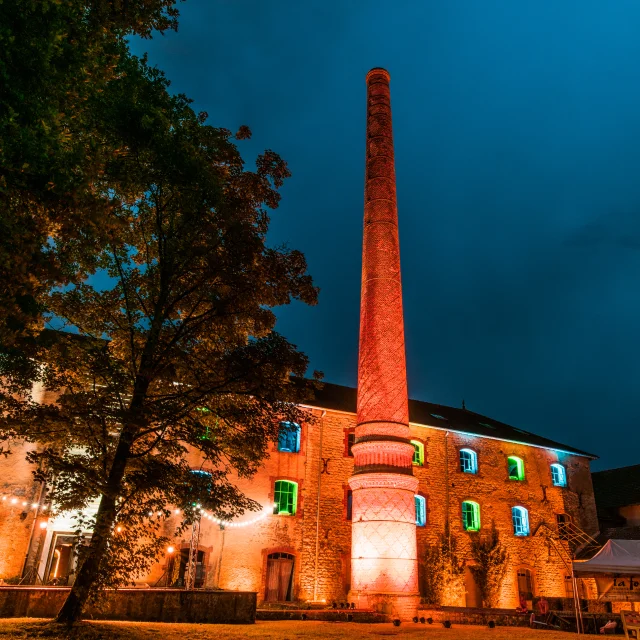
<point x="279" y="577"/>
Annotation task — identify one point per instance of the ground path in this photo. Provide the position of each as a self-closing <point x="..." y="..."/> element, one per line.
<point x="265" y="630"/>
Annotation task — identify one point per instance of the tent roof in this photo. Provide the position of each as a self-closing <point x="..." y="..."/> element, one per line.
<point x="617" y="556"/>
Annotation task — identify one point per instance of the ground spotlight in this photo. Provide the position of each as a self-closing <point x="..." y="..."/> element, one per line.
<point x="396" y="623"/>
<point x="422" y="620"/>
<point x="492" y="624"/>
<point x="447" y="624"/>
<point x="415" y="618"/>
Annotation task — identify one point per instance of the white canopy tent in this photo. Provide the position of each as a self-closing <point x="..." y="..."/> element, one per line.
<point x="617" y="557"/>
<point x="616" y="568"/>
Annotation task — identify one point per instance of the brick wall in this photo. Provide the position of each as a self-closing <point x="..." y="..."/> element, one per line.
<point x="236" y="558"/>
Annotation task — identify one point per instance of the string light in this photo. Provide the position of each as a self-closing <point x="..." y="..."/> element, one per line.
<point x="268" y="509"/>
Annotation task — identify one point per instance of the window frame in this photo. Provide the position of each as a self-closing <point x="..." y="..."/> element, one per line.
<point x="349" y="441"/>
<point x="277" y="490"/>
<point x="519" y="463"/>
<point x="418" y="448"/>
<point x="289" y="434"/>
<point x="561" y="469"/>
<point x="471" y="509"/>
<point x="419" y="498"/>
<point x="474" y="461"/>
<point x="520" y="521"/>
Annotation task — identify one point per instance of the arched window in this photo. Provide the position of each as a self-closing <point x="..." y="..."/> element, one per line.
<point x="470" y="516"/>
<point x="516" y="468"/>
<point x="418" y="453"/>
<point x="558" y="475"/>
<point x="289" y="437"/>
<point x="468" y="461"/>
<point x="285" y="498"/>
<point x="520" y="518"/>
<point x="421" y="511"/>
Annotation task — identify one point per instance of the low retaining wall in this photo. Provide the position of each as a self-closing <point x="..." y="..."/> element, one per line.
<point x="326" y="615"/>
<point x="144" y="605"/>
<point x="465" y="615"/>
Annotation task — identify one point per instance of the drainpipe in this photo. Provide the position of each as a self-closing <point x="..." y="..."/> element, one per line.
<point x="446" y="494"/>
<point x="315" y="573"/>
<point x="220" y="557"/>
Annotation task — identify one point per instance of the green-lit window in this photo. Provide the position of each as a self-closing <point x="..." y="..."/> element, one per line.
<point x="285" y="498"/>
<point x="418" y="453"/>
<point x="516" y="468"/>
<point x="470" y="516"/>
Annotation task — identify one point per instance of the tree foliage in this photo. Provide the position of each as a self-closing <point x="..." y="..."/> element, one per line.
<point x="58" y="59"/>
<point x="491" y="559"/>
<point x="172" y="360"/>
<point x="443" y="572"/>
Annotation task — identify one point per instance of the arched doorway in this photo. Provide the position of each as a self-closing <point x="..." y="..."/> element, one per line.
<point x="279" y="583"/>
<point x="473" y="597"/>
<point x="525" y="587"/>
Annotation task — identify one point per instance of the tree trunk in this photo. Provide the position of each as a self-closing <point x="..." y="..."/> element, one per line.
<point x="105" y="518"/>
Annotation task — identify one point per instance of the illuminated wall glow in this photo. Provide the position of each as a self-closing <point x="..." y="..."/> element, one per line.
<point x="384" y="567"/>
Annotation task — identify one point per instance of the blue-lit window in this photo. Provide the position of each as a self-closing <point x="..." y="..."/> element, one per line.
<point x="349" y="504"/>
<point x="421" y="511"/>
<point x="468" y="461"/>
<point x="470" y="516"/>
<point x="558" y="475"/>
<point x="520" y="518"/>
<point x="289" y="437"/>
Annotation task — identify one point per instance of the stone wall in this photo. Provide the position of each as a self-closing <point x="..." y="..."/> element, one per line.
<point x="236" y="558"/>
<point x="149" y="605"/>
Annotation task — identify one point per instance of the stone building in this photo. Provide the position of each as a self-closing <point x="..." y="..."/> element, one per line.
<point x="617" y="495"/>
<point x="352" y="499"/>
<point x="524" y="483"/>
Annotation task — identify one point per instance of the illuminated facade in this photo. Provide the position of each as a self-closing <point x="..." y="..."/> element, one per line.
<point x="352" y="499"/>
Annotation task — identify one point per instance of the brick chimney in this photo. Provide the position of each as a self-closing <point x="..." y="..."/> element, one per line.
<point x="384" y="566"/>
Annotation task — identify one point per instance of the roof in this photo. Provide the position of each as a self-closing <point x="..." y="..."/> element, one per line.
<point x="617" y="556"/>
<point x="616" y="488"/>
<point x="338" y="398"/>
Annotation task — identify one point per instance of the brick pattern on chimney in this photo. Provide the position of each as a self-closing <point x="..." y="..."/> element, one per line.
<point x="384" y="568"/>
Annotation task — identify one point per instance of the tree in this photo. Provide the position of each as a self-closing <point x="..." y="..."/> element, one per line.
<point x="491" y="558"/>
<point x="58" y="58"/>
<point x="175" y="350"/>
<point x="443" y="572"/>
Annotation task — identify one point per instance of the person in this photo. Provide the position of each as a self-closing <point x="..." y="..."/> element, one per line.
<point x="543" y="606"/>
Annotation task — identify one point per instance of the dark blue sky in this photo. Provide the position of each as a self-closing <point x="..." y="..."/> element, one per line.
<point x="517" y="130"/>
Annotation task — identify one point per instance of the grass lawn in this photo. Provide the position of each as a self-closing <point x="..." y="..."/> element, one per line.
<point x="282" y="630"/>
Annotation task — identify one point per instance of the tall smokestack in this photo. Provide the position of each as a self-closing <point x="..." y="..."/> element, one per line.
<point x="384" y="566"/>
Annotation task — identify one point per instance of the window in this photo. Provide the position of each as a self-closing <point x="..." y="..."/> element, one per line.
<point x="289" y="437"/>
<point x="520" y="518"/>
<point x="285" y="498"/>
<point x="470" y="516"/>
<point x="438" y="416"/>
<point x="421" y="511"/>
<point x="468" y="461"/>
<point x="516" y="468"/>
<point x="349" y="504"/>
<point x="418" y="453"/>
<point x="558" y="475"/>
<point x="564" y="525"/>
<point x="350" y="440"/>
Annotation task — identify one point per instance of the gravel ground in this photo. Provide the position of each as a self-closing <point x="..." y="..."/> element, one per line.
<point x="281" y="630"/>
